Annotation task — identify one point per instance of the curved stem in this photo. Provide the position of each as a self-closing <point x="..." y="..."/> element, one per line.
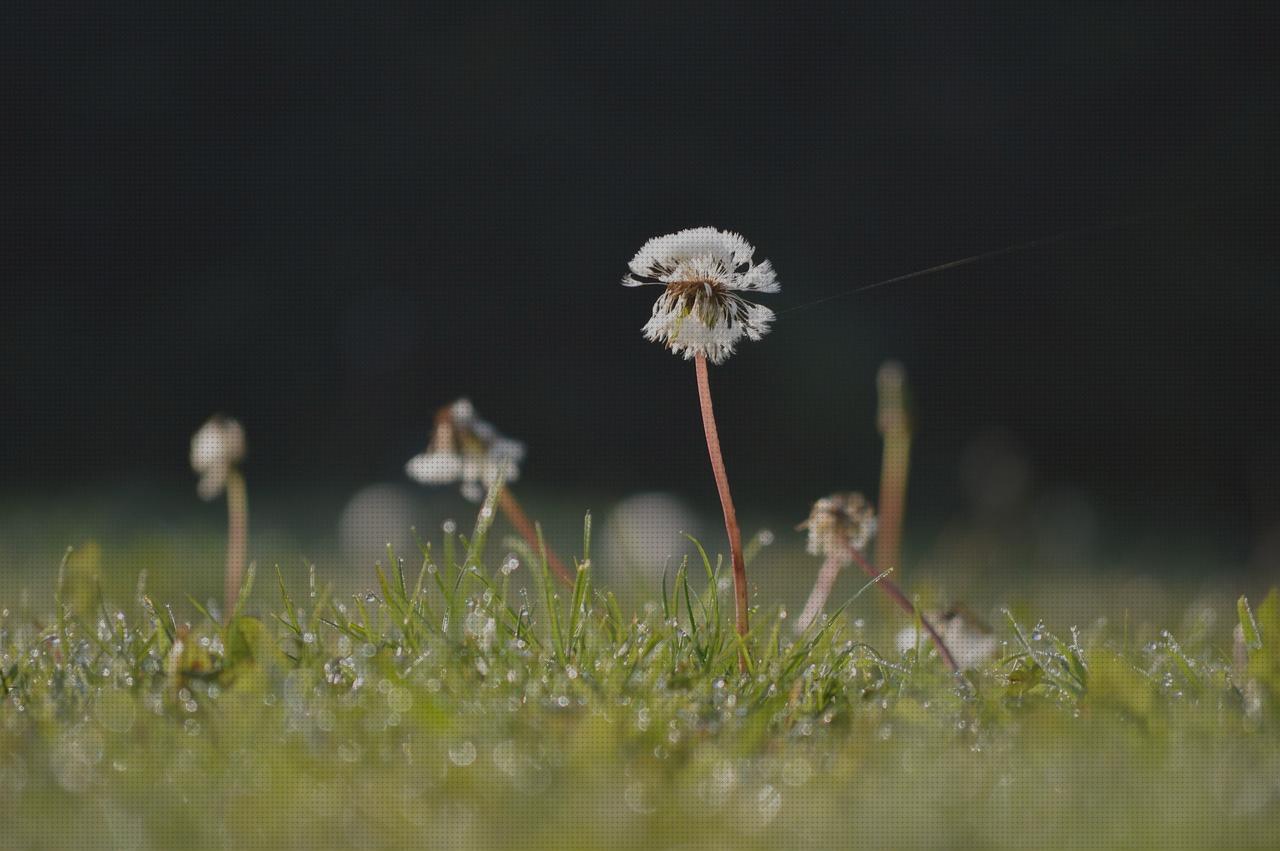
<point x="515" y="515"/>
<point x="821" y="591"/>
<point x="891" y="588"/>
<point x="726" y="502"/>
<point x="237" y="538"/>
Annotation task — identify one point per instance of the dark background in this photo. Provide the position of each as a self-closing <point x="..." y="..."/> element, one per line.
<point x="328" y="219"/>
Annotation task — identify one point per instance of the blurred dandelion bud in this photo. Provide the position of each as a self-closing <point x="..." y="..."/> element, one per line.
<point x="216" y="449"/>
<point x="838" y="524"/>
<point x="216" y="452"/>
<point x="467" y="450"/>
<point x="702" y="271"/>
<point x="892" y="412"/>
<point x="840" y="528"/>
<point x="893" y="418"/>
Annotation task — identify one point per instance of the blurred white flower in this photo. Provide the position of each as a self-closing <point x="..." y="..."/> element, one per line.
<point x="438" y="468"/>
<point x="839" y="523"/>
<point x="700" y="311"/>
<point x="467" y="450"/>
<point x="644" y="534"/>
<point x="375" y="517"/>
<point x="971" y="642"/>
<point x="216" y="448"/>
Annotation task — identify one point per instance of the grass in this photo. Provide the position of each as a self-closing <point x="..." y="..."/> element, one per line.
<point x="464" y="704"/>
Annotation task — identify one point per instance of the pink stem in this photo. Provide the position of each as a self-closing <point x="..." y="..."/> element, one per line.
<point x="891" y="588"/>
<point x="821" y="591"/>
<point x="726" y="502"/>
<point x="508" y="505"/>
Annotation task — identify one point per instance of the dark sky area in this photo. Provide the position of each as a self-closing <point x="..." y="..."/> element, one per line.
<point x="330" y="218"/>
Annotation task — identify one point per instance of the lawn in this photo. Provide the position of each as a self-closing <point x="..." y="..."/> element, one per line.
<point x="465" y="700"/>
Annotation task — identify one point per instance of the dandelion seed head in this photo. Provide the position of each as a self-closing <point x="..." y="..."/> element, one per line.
<point x="839" y="523"/>
<point x="467" y="450"/>
<point x="700" y="311"/>
<point x="216" y="448"/>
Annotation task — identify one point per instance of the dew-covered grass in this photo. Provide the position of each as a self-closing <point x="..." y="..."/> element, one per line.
<point x="466" y="701"/>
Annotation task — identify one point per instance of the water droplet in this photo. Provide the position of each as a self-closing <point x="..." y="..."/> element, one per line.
<point x="462" y="754"/>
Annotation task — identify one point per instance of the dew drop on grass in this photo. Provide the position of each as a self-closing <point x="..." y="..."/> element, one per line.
<point x="462" y="754"/>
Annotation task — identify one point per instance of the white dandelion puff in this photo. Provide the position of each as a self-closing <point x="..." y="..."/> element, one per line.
<point x="700" y="311"/>
<point x="216" y="449"/>
<point x="839" y="524"/>
<point x="702" y="316"/>
<point x="435" y="468"/>
<point x="466" y="450"/>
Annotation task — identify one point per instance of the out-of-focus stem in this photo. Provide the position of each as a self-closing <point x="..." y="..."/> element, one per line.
<point x="894" y="422"/>
<point x="896" y="594"/>
<point x="515" y="515"/>
<point x="237" y="538"/>
<point x="820" y="593"/>
<point x="726" y="502"/>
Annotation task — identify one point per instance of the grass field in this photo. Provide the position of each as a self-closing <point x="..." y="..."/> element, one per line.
<point x="465" y="701"/>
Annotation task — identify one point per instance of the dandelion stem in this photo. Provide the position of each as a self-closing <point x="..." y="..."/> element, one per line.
<point x="515" y="515"/>
<point x="821" y="591"/>
<point x="726" y="500"/>
<point x="891" y="588"/>
<point x="237" y="537"/>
